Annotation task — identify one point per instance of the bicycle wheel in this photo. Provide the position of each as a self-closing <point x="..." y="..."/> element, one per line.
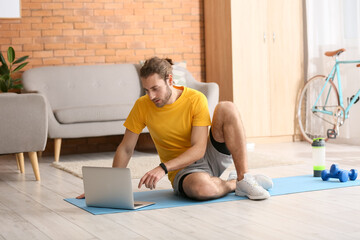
<point x="315" y="124"/>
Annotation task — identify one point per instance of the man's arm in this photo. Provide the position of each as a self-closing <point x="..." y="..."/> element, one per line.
<point x="125" y="150"/>
<point x="197" y="150"/>
<point x="199" y="136"/>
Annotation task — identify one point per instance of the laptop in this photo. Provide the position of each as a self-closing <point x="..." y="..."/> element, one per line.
<point x="110" y="188"/>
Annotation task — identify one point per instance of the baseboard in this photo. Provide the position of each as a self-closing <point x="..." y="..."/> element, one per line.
<point x="273" y="139"/>
<point x="97" y="144"/>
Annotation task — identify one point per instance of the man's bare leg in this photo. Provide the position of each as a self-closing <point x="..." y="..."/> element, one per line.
<point x="226" y="127"/>
<point x="202" y="186"/>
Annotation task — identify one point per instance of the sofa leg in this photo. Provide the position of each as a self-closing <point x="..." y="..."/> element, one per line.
<point x="20" y="162"/>
<point x="35" y="164"/>
<point x="17" y="161"/>
<point x="57" y="146"/>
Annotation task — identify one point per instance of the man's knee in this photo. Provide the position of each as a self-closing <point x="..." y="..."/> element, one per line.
<point x="204" y="192"/>
<point x="226" y="110"/>
<point x="200" y="188"/>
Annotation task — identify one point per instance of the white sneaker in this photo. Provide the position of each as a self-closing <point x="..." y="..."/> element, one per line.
<point x="262" y="180"/>
<point x="232" y="176"/>
<point x="250" y="188"/>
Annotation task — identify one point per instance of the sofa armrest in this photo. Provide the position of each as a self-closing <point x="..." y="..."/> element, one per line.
<point x="23" y="123"/>
<point x="210" y="90"/>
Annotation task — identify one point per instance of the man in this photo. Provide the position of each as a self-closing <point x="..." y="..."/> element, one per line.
<point x="178" y="119"/>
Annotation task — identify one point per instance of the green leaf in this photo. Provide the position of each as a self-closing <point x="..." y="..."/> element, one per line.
<point x="20" y="66"/>
<point x="5" y="76"/>
<point x="2" y="59"/>
<point x="21" y="59"/>
<point x="18" y="86"/>
<point x="3" y="87"/>
<point x="10" y="85"/>
<point x="4" y="70"/>
<point x="9" y="80"/>
<point x="11" y="54"/>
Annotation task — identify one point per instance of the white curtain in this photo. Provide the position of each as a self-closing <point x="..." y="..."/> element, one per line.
<point x="331" y="25"/>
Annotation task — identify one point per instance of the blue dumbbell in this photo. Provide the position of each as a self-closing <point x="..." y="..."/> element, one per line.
<point x="353" y="174"/>
<point x="342" y="175"/>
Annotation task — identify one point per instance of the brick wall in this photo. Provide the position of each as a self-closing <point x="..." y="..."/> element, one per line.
<point x="77" y="32"/>
<point x="74" y="32"/>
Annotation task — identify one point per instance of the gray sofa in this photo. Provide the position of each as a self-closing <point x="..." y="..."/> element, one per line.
<point x="94" y="100"/>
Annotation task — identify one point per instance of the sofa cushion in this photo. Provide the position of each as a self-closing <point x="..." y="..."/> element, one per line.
<point x="85" y="85"/>
<point x="98" y="113"/>
<point x="179" y="76"/>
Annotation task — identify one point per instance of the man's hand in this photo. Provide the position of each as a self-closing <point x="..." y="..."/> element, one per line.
<point x="151" y="178"/>
<point x="81" y="196"/>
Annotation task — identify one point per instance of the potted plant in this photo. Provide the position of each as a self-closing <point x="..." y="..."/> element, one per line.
<point x="8" y="69"/>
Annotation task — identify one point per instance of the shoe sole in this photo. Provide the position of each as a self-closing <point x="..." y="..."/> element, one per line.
<point x="242" y="194"/>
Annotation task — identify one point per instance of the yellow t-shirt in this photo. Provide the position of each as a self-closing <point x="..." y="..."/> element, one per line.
<point x="170" y="126"/>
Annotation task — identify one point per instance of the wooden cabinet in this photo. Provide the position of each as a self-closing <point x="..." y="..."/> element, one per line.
<point x="254" y="51"/>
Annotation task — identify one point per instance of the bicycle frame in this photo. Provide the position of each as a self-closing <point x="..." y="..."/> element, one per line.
<point x="336" y="72"/>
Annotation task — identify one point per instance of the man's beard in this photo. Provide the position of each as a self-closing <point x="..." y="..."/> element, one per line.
<point x="162" y="103"/>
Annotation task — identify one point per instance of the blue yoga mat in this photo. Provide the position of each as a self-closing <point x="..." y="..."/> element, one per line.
<point x="167" y="198"/>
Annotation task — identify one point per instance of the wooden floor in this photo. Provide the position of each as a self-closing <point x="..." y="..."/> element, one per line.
<point x="36" y="210"/>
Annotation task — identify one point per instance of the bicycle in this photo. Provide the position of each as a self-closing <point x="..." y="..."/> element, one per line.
<point x="321" y="110"/>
